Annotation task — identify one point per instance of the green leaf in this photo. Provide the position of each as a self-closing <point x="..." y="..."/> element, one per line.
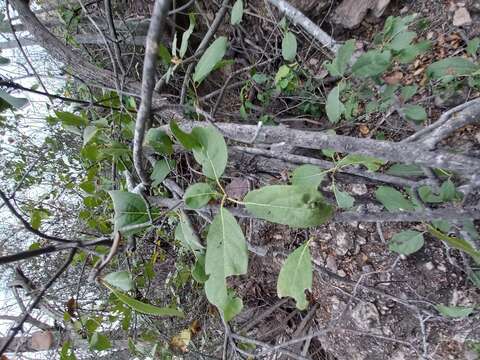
<point x="372" y="63"/>
<point x="186" y="235"/>
<point x="427" y="195"/>
<point x="37" y="216"/>
<point x="393" y="200"/>
<point x="289" y="46"/>
<point x="99" y="342"/>
<point x="409" y="53"/>
<point x="415" y="113"/>
<point x="4" y="61"/>
<point x="447" y="190"/>
<point x="406" y="242"/>
<point x="17" y="103"/>
<point x="210" y="58"/>
<point x="407" y="92"/>
<point x="67" y="118"/>
<point x="198" y="271"/>
<point x="188" y="141"/>
<point x="339" y="65"/>
<point x="292" y="205"/>
<point x="88" y="134"/>
<point x="454" y="311"/>
<point x="131" y="213"/>
<point x="226" y="255"/>
<point x="402" y="40"/>
<point x="457" y="243"/>
<point x="212" y="153"/>
<point x="296" y="276"/>
<point x="186" y="36"/>
<point x="198" y="195"/>
<point x="142" y="307"/>
<point x="282" y="73"/>
<point x="161" y="170"/>
<point x="159" y="141"/>
<point x="308" y="175"/>
<point x="164" y="54"/>
<point x="334" y="107"/>
<point x="120" y="279"/>
<point x="405" y="170"/>
<point x="233" y="306"/>
<point x="472" y="46"/>
<point x="237" y="12"/>
<point x="452" y="66"/>
<point x="371" y="163"/>
<point x="344" y="200"/>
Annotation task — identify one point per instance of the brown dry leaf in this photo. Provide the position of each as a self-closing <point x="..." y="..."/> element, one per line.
<point x="364" y="130"/>
<point x="42" y="340"/>
<point x="71" y="307"/>
<point x="393" y="78"/>
<point x="3" y="357"/>
<point x="195" y="327"/>
<point x="180" y="342"/>
<point x="237" y="188"/>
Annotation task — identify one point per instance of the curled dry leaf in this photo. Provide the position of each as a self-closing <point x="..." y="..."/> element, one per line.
<point x="393" y="78"/>
<point x="42" y="340"/>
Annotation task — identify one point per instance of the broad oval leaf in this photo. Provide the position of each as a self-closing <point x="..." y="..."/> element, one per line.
<point x="289" y="205"/>
<point x="405" y="170"/>
<point x="214" y="53"/>
<point x="415" y="113"/>
<point x="392" y="199"/>
<point x="334" y="107"/>
<point x="296" y="276"/>
<point x="237" y="12"/>
<point x="308" y="175"/>
<point x="406" y="242"/>
<point x="213" y="153"/>
<point x="372" y="63"/>
<point x="198" y="195"/>
<point x="226" y="255"/>
<point x="131" y="213"/>
<point x="142" y="307"/>
<point x="454" y="311"/>
<point x="289" y="46"/>
<point x="452" y="66"/>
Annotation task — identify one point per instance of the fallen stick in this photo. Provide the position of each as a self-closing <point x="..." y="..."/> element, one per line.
<point x="407" y="153"/>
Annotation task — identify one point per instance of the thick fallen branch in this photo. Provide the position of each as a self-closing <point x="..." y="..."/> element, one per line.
<point x="297" y="17"/>
<point x="345" y="216"/>
<point x="406" y="153"/>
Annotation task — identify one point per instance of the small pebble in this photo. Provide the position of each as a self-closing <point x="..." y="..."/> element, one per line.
<point x="441" y="267"/>
<point x="341" y="273"/>
<point x="429" y="266"/>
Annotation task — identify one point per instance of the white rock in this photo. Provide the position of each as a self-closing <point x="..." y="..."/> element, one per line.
<point x="331" y="263"/>
<point x="429" y="266"/>
<point x="442" y="268"/>
<point x="344" y="243"/>
<point x="366" y="316"/>
<point x="461" y="17"/>
<point x="341" y="273"/>
<point x="359" y="189"/>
